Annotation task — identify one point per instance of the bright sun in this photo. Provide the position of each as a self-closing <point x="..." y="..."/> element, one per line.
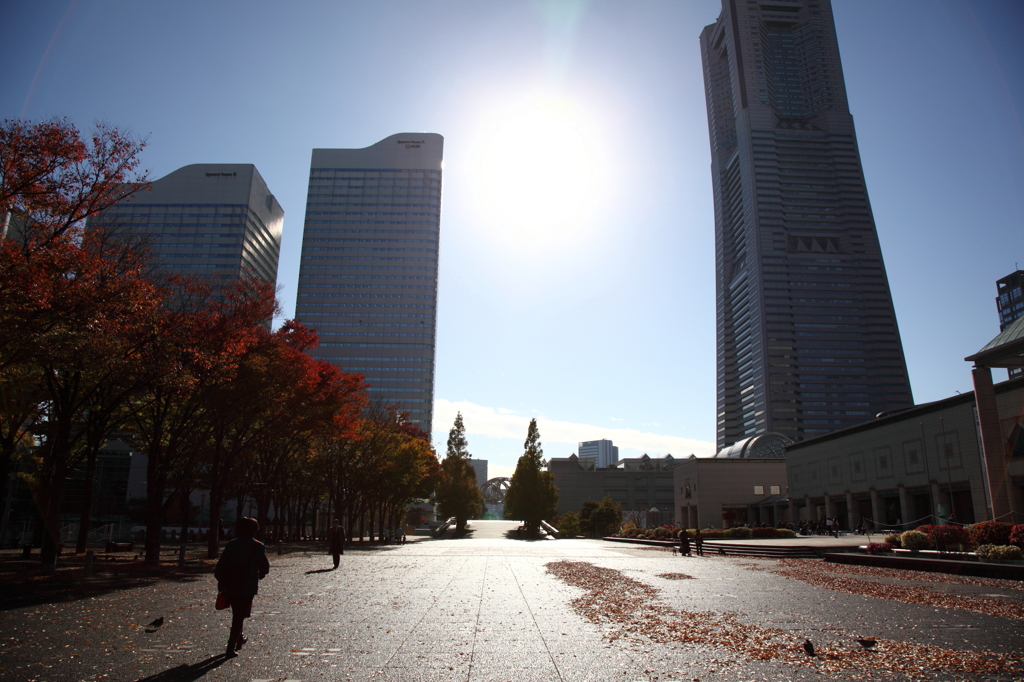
<point x="539" y="172"/>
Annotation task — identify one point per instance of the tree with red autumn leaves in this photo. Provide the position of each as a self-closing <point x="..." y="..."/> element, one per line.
<point x="279" y="401"/>
<point x="73" y="304"/>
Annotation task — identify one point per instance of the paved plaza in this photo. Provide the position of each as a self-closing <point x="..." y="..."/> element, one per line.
<point x="493" y="608"/>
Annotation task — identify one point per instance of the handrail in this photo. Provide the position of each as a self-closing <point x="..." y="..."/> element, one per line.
<point x="443" y="528"/>
<point x="551" y="530"/>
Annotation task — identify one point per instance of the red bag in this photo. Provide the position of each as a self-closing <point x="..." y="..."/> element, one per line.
<point x="222" y="601"/>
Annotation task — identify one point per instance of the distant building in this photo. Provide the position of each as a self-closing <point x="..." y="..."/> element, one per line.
<point x="1010" y="304"/>
<point x="908" y="466"/>
<point x="638" y="484"/>
<point x="807" y="341"/>
<point x="602" y="452"/>
<point x="212" y="221"/>
<point x="480" y="467"/>
<point x="368" y="269"/>
<point x="720" y="492"/>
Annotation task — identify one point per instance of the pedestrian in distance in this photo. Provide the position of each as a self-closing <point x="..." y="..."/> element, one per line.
<point x="698" y="542"/>
<point x="684" y="543"/>
<point x="239" y="571"/>
<point x="336" y="542"/>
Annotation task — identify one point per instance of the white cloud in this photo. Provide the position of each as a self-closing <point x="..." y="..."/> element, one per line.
<point x="503" y="423"/>
<point x="615" y="419"/>
<point x="496" y="470"/>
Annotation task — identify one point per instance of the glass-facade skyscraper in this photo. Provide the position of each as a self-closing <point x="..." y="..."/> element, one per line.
<point x="212" y="221"/>
<point x="807" y="337"/>
<point x="368" y="273"/>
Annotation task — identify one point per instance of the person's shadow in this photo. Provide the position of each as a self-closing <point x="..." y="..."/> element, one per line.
<point x="321" y="570"/>
<point x="187" y="673"/>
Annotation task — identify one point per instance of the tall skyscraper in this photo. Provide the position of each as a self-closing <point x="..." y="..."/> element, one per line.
<point x="368" y="274"/>
<point x="807" y="335"/>
<point x="215" y="221"/>
<point x="1010" y="304"/>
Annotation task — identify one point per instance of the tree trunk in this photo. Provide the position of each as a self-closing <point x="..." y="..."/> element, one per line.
<point x="155" y="486"/>
<point x="186" y="509"/>
<point x="213" y="535"/>
<point x="85" y="519"/>
<point x="48" y="500"/>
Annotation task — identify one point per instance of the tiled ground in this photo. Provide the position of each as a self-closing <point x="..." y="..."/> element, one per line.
<point x="469" y="610"/>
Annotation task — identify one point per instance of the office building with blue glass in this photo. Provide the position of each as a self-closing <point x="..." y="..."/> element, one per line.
<point x="213" y="221"/>
<point x="368" y="270"/>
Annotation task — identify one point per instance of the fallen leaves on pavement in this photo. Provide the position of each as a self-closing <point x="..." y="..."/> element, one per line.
<point x="842" y="578"/>
<point x="630" y="610"/>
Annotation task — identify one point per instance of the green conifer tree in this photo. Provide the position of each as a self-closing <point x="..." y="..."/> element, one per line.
<point x="457" y="493"/>
<point x="532" y="496"/>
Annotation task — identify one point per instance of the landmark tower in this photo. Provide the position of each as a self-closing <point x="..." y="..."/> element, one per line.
<point x="807" y="337"/>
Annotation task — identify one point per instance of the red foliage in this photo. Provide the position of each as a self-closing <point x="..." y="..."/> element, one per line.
<point x="51" y="179"/>
<point x="949" y="537"/>
<point x="1017" y="535"/>
<point x="990" y="533"/>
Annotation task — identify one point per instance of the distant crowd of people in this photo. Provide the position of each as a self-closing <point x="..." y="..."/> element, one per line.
<point x="823" y="526"/>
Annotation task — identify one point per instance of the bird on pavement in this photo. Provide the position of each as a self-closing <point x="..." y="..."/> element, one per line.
<point x="155" y="625"/>
<point x="808" y="647"/>
<point x="867" y="643"/>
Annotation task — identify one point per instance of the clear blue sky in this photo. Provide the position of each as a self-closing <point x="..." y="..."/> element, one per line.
<point x="598" y="318"/>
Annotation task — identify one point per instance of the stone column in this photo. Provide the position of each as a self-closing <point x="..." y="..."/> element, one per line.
<point x="794" y="514"/>
<point x="829" y="510"/>
<point x="993" y="457"/>
<point x="809" y="515"/>
<point x="936" y="500"/>
<point x="852" y="511"/>
<point x="876" y="510"/>
<point x="904" y="507"/>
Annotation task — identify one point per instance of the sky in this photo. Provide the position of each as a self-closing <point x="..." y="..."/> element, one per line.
<point x="576" y="277"/>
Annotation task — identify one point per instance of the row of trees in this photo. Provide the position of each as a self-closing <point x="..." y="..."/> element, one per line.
<point x="97" y="340"/>
<point x="531" y="496"/>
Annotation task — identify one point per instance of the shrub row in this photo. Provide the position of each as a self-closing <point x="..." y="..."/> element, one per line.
<point x="959" y="538"/>
<point x="739" y="533"/>
<point x="999" y="553"/>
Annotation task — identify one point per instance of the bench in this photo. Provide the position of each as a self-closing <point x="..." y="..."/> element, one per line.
<point x="113" y="548"/>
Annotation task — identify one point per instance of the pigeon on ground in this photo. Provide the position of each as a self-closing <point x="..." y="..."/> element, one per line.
<point x="808" y="647"/>
<point x="155" y="625"/>
<point x="867" y="643"/>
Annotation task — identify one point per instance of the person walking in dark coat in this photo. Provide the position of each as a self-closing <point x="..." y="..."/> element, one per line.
<point x="684" y="543"/>
<point x="239" y="571"/>
<point x="336" y="542"/>
<point x="698" y="542"/>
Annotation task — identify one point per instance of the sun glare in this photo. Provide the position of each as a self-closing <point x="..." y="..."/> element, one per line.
<point x="539" y="171"/>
